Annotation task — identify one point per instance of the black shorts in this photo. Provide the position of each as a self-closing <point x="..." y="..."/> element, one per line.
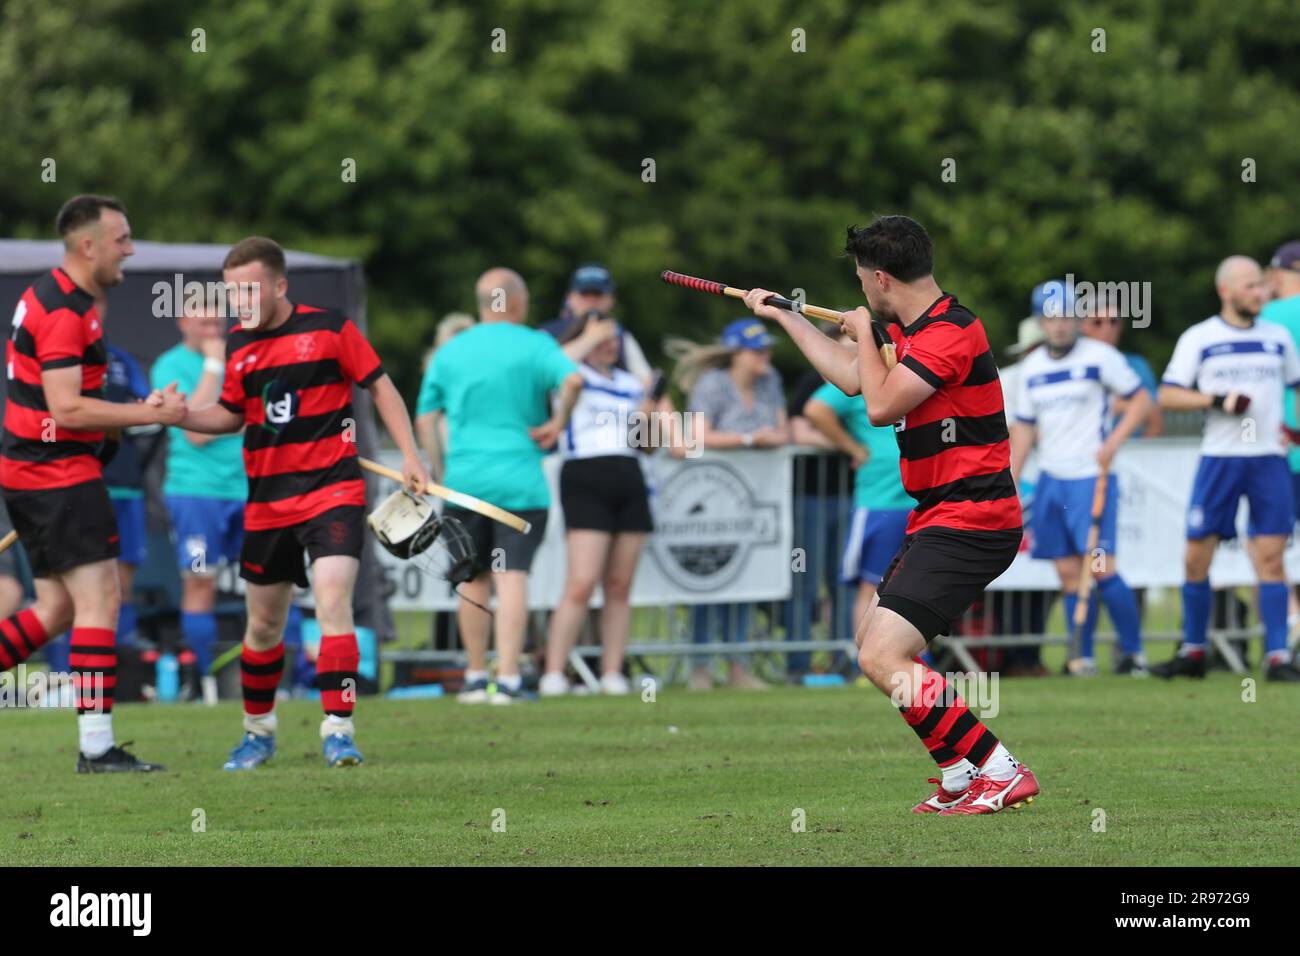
<point x="939" y="572"/>
<point x="274" y="555"/>
<point x="64" y="528"/>
<point x="605" y="494"/>
<point x="498" y="547"/>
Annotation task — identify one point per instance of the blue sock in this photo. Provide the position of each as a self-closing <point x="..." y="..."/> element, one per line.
<point x="1086" y="633"/>
<point x="1122" y="605"/>
<point x="127" y="619"/>
<point x="58" y="653"/>
<point x="1272" y="611"/>
<point x="1196" y="614"/>
<point x="199" y="631"/>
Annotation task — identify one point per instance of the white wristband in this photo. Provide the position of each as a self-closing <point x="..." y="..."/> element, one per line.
<point x="213" y="365"/>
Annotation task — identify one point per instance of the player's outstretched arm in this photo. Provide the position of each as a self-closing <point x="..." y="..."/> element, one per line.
<point x="70" y="409"/>
<point x="838" y="365"/>
<point x="392" y="410"/>
<point x="214" y="419"/>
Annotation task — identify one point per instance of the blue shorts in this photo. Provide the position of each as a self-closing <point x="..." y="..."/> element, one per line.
<point x="1063" y="517"/>
<point x="875" y="535"/>
<point x="205" y="532"/>
<point x="131" y="529"/>
<point x="1218" y="488"/>
<point x="1295" y="492"/>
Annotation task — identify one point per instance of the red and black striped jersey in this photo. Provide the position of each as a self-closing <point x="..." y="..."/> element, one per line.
<point x="293" y="386"/>
<point x="954" y="447"/>
<point x="55" y="326"/>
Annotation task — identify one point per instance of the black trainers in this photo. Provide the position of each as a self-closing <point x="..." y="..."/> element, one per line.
<point x="1180" y="666"/>
<point x="1285" y="671"/>
<point x="115" y="760"/>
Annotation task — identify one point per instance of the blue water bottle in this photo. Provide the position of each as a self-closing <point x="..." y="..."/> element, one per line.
<point x="169" y="678"/>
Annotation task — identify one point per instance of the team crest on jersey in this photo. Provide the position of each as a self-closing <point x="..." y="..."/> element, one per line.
<point x="304" y="346"/>
<point x="279" y="405"/>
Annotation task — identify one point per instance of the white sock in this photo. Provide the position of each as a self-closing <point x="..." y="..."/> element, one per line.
<point x="958" y="776"/>
<point x="95" y="732"/>
<point x="337" y="725"/>
<point x="510" y="681"/>
<point x="471" y="676"/>
<point x="1000" y="765"/>
<point x="264" y="725"/>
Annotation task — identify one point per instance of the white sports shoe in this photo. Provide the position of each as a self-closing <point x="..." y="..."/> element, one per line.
<point x="614" y="683"/>
<point x="553" y="685"/>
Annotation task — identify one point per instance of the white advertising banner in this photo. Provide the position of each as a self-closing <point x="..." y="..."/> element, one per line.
<point x="1155" y="485"/>
<point x="724" y="532"/>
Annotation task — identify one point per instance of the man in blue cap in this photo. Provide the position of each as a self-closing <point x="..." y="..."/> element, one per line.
<point x="592" y="295"/>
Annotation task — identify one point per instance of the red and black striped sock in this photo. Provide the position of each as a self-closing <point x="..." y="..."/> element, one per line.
<point x="945" y="724"/>
<point x="259" y="676"/>
<point x="336" y="673"/>
<point x="93" y="659"/>
<point x="20" y="637"/>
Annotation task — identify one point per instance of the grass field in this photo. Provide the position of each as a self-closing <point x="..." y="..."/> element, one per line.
<point x="1186" y="773"/>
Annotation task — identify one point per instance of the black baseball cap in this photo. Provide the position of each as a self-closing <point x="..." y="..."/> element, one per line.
<point x="1287" y="256"/>
<point x="592" y="277"/>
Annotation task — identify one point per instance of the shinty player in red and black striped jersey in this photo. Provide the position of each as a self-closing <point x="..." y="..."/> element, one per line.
<point x="945" y="402"/>
<point x="290" y="369"/>
<point x="56" y="433"/>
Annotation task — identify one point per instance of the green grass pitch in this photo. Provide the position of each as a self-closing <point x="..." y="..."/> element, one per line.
<point x="1185" y="773"/>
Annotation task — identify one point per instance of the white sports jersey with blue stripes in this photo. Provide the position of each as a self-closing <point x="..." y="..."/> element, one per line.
<point x="603" y="414"/>
<point x="1068" y="398"/>
<point x="1216" y="358"/>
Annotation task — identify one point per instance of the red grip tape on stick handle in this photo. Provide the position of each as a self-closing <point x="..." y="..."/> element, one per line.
<point x="690" y="282"/>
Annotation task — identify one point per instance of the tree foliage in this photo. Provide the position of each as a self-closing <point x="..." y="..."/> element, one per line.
<point x="1118" y="165"/>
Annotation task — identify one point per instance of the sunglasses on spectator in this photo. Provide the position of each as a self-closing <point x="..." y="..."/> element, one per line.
<point x="1106" y="321"/>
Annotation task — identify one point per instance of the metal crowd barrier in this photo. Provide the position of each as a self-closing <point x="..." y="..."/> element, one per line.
<point x="1005" y="631"/>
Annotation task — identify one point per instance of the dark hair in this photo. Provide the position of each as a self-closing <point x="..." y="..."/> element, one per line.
<point x="894" y="244"/>
<point x="256" y="249"/>
<point x="83" y="210"/>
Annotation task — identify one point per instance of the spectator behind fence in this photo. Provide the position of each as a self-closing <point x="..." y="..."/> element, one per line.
<point x="880" y="505"/>
<point x="739" y="404"/>
<point x="606" y="512"/>
<point x="205" y="486"/>
<point x="1104" y="326"/>
<point x="592" y="289"/>
<point x="492" y="381"/>
<point x="821" y="509"/>
<point x="431" y="429"/>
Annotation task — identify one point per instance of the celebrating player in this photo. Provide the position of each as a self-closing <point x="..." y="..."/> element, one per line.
<point x="1062" y="404"/>
<point x="205" y="486"/>
<point x="1229" y="365"/>
<point x="946" y="401"/>
<point x="52" y="477"/>
<point x="289" y="375"/>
